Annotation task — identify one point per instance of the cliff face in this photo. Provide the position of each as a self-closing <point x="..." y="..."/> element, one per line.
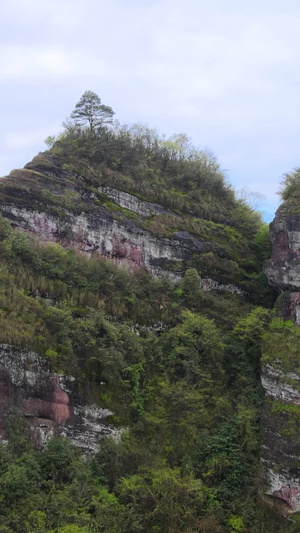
<point x="281" y="375"/>
<point x="281" y="436"/>
<point x="58" y="206"/>
<point x="123" y="243"/>
<point x="50" y="402"/>
<point x="283" y="269"/>
<point x="47" y="200"/>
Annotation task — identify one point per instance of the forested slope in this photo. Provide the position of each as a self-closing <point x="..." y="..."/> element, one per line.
<point x="175" y="361"/>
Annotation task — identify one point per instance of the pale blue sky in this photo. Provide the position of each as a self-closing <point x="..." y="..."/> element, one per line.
<point x="223" y="71"/>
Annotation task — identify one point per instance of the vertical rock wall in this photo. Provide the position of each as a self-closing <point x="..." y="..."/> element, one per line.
<point x="281" y="379"/>
<point x="48" y="401"/>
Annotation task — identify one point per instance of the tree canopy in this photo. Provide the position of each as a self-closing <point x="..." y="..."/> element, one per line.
<point x="89" y="110"/>
<point x="290" y="184"/>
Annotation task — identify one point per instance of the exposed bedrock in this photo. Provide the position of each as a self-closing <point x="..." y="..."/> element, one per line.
<point x="281" y="411"/>
<point x="49" y="402"/>
<point x="131" y="202"/>
<point x="283" y="269"/>
<point x="281" y="436"/>
<point x="52" y="200"/>
<point x="124" y="243"/>
<point x="127" y="245"/>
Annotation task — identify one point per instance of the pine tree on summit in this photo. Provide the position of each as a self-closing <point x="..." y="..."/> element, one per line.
<point x="89" y="110"/>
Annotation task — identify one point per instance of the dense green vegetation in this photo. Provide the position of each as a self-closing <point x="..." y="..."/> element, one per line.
<point x="290" y="192"/>
<point x="171" y="172"/>
<point x="179" y="367"/>
<point x="290" y="185"/>
<point x="188" y="395"/>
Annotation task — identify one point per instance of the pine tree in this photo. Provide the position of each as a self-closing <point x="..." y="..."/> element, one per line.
<point x="89" y="110"/>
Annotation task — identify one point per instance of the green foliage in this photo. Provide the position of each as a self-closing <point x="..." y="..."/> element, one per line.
<point x="177" y="366"/>
<point x="195" y="346"/>
<point x="283" y="337"/>
<point x="90" y="110"/>
<point x="172" y="172"/>
<point x="188" y="394"/>
<point x="250" y="330"/>
<point x="169" y="171"/>
<point x="50" y="141"/>
<point x="290" y="185"/>
<point x="5" y="228"/>
<point x="162" y="500"/>
<point x="236" y="524"/>
<point x="72" y="528"/>
<point x="287" y="417"/>
<point x="263" y="242"/>
<point x="191" y="286"/>
<point x="15" y="431"/>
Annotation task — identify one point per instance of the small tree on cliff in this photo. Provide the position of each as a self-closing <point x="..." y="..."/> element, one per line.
<point x="89" y="110"/>
<point x="290" y="185"/>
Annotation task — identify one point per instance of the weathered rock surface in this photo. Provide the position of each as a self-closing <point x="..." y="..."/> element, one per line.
<point x="96" y="229"/>
<point x="281" y="438"/>
<point x="280" y="419"/>
<point x="49" y="401"/>
<point x="283" y="269"/>
<point x="127" y="245"/>
<point x="131" y="202"/>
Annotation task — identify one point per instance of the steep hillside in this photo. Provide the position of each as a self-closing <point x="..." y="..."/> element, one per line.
<point x="163" y="356"/>
<point x="143" y="204"/>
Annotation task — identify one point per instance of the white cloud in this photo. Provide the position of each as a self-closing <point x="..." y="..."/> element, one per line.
<point x="15" y="140"/>
<point x="23" y="62"/>
<point x="225" y="72"/>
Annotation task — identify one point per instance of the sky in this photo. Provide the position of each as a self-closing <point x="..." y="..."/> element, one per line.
<point x="225" y="72"/>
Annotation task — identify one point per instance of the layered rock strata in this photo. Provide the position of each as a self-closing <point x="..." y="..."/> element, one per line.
<point x="283" y="269"/>
<point x="97" y="229"/>
<point x="281" y="436"/>
<point x="281" y="412"/>
<point x="49" y="401"/>
<point x="126" y="244"/>
<point x="132" y="203"/>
